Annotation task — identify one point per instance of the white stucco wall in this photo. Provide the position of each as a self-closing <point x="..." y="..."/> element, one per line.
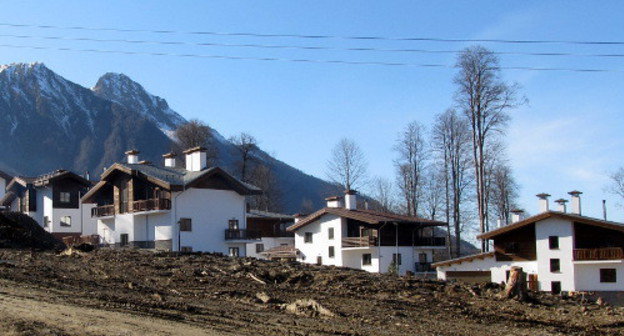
<point x="320" y="241"/>
<point x="587" y="276"/>
<point x="498" y="269"/>
<point x="3" y="184"/>
<point x="209" y="210"/>
<point x="565" y="231"/>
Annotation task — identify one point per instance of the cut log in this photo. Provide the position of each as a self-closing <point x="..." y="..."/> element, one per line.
<point x="516" y="285"/>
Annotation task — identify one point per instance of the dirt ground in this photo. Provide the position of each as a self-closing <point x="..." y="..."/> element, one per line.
<point x="110" y="292"/>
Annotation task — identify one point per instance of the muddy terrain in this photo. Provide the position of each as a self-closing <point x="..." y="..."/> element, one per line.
<point x="108" y="292"/>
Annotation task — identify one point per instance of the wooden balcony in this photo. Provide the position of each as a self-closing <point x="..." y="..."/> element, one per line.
<point x="239" y="234"/>
<point x="151" y="204"/>
<point x="136" y="206"/>
<point x="430" y="241"/>
<point x="607" y="253"/>
<point x="359" y="241"/>
<point x="103" y="211"/>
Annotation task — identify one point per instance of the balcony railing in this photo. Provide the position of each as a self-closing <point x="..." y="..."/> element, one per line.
<point x="359" y="241"/>
<point x="430" y="241"/>
<point x="102" y="211"/>
<point x="136" y="206"/>
<point x="239" y="234"/>
<point x="607" y="253"/>
<point x="151" y="204"/>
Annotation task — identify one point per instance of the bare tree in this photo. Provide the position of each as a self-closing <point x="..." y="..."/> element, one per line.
<point x="433" y="193"/>
<point x="410" y="166"/>
<point x="383" y="194"/>
<point x="247" y="146"/>
<point x="503" y="191"/>
<point x="196" y="133"/>
<point x="617" y="183"/>
<point x="485" y="99"/>
<point x="271" y="197"/>
<point x="451" y="142"/>
<point x="347" y="165"/>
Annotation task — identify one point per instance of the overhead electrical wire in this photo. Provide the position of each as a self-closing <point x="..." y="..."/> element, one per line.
<point x="383" y="38"/>
<point x="299" y="47"/>
<point x="246" y="58"/>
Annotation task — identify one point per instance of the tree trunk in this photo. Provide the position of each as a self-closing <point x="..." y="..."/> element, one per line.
<point x="516" y="285"/>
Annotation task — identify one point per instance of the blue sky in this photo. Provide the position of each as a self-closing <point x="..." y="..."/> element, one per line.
<point x="569" y="135"/>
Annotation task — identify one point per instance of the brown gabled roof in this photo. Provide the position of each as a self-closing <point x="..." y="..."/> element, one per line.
<point x="549" y="214"/>
<point x="464" y="259"/>
<point x="367" y="216"/>
<point x="45" y="179"/>
<point x="5" y="176"/>
<point x="173" y="179"/>
<point x="283" y="251"/>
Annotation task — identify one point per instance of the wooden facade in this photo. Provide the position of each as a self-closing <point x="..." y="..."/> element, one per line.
<point x="517" y="245"/>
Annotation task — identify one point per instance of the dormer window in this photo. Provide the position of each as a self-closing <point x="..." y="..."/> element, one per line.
<point x="65" y="197"/>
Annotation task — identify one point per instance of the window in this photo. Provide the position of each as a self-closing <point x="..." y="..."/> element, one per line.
<point x="608" y="275"/>
<point x="422" y="258"/>
<point x="234" y="252"/>
<point x="555" y="265"/>
<point x="330" y="233"/>
<point x="259" y="248"/>
<point x="553" y="242"/>
<point x="233" y="224"/>
<point x="332" y="252"/>
<point x="186" y="224"/>
<point x="186" y="249"/>
<point x="46" y="221"/>
<point x="308" y="237"/>
<point x="66" y="221"/>
<point x="396" y="258"/>
<point x="64" y="197"/>
<point x="123" y="239"/>
<point x="555" y="287"/>
<point x="367" y="259"/>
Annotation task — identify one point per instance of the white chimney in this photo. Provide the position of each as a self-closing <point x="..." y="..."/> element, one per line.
<point x="170" y="160"/>
<point x="298" y="217"/>
<point x="516" y="215"/>
<point x="334" y="202"/>
<point x="562" y="204"/>
<point x="499" y="223"/>
<point x="576" y="202"/>
<point x="350" y="199"/>
<point x="196" y="159"/>
<point x="543" y="202"/>
<point x="132" y="156"/>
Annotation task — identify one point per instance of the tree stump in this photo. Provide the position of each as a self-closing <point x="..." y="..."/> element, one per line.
<point x="516" y="285"/>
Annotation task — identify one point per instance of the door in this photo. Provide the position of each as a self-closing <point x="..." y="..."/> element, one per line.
<point x="124" y="239"/>
<point x="319" y="260"/>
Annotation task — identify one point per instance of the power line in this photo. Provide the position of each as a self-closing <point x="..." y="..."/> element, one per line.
<point x="374" y="38"/>
<point x="245" y="58"/>
<point x="299" y="47"/>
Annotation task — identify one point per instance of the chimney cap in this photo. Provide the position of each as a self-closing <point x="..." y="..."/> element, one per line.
<point x="333" y="198"/>
<point x="169" y="155"/>
<point x="517" y="211"/>
<point x="195" y="149"/>
<point x="562" y="201"/>
<point x="350" y="192"/>
<point x="299" y="215"/>
<point x="132" y="152"/>
<point x="543" y="195"/>
<point x="575" y="193"/>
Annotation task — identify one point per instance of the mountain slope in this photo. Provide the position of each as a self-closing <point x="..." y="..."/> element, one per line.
<point x="52" y="123"/>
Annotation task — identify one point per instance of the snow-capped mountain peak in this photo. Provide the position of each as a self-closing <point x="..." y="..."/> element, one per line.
<point x="123" y="90"/>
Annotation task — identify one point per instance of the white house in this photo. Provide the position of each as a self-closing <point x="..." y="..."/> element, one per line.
<point x="271" y="228"/>
<point x="195" y="208"/>
<point x="4" y="180"/>
<point x="53" y="200"/>
<point x="559" y="251"/>
<point x="342" y="235"/>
